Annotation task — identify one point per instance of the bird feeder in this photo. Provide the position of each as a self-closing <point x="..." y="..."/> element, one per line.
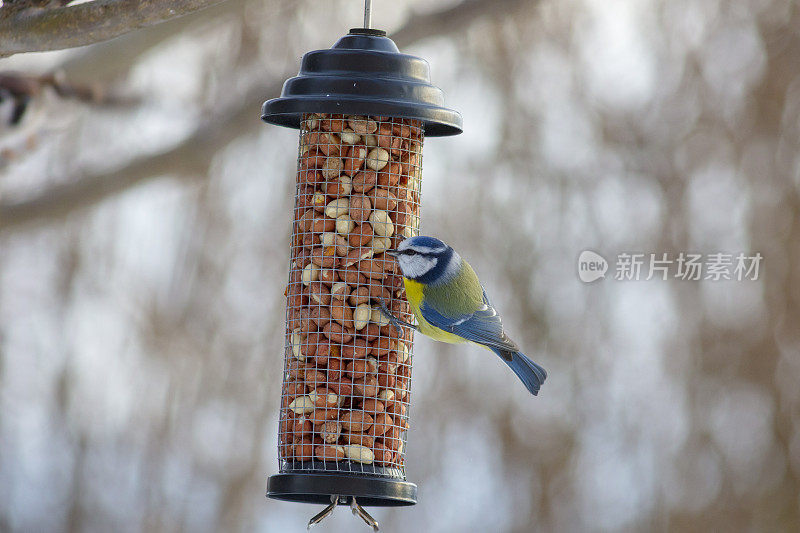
<point x="363" y="110"/>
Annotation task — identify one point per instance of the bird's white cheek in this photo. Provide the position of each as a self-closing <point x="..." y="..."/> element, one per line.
<point x="416" y="266"/>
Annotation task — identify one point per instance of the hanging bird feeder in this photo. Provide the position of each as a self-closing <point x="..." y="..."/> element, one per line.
<point x="363" y="109"/>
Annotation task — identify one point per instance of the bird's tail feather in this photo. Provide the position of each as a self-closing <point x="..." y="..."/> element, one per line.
<point x="531" y="374"/>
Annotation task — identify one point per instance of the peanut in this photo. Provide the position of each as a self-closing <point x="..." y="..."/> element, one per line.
<point x="354" y="160"/>
<point x="360" y="368"/>
<point x="328" y="276"/>
<point x="381" y="425"/>
<point x="376" y="159"/>
<point x="319" y="293"/>
<point x="367" y="386"/>
<point x="359" y="453"/>
<point x="336" y="332"/>
<point x="403" y="352"/>
<point x="293" y="389"/>
<point x="381" y="223"/>
<point x="297" y="341"/>
<point x="322" y="397"/>
<point x="322" y="415"/>
<point x="355" y="421"/>
<point x="360" y="296"/>
<point x="302" y="405"/>
<point x="383" y="455"/>
<point x="324" y="256"/>
<point x="318" y="201"/>
<point x="310" y="273"/>
<point x="357" y="254"/>
<point x="334" y="239"/>
<point x="361" y="316"/>
<point x="343" y="387"/>
<point x="330" y="431"/>
<point x="381" y="244"/>
<point x="319" y="315"/>
<point x="364" y="439"/>
<point x="329" y="144"/>
<point x="335" y="374"/>
<point x="364" y="181"/>
<point x="332" y="167"/>
<point x="344" y="224"/>
<point x="371" y="405"/>
<point x="339" y="292"/>
<point x="348" y="136"/>
<point x="342" y="314"/>
<point x="386" y="395"/>
<point x="361" y="235"/>
<point x="303" y="449"/>
<point x="313" y="377"/>
<point x="360" y="207"/>
<point x="337" y="207"/>
<point x="350" y="273"/>
<point x="371" y="268"/>
<point x="322" y="224"/>
<point x="358" y="349"/>
<point x="325" y="452"/>
<point x="362" y="125"/>
<point x="379" y="317"/>
<point x="341" y="186"/>
<point x="383" y="199"/>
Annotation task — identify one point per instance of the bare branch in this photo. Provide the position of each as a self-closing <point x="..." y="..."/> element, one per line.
<point x="39" y="30"/>
<point x="107" y="61"/>
<point x="454" y="19"/>
<point x="189" y="159"/>
<point x="23" y="87"/>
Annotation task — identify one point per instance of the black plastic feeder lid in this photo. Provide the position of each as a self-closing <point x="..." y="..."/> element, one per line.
<point x="363" y="74"/>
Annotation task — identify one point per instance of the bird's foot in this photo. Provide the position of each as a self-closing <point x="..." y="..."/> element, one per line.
<point x="396" y="322"/>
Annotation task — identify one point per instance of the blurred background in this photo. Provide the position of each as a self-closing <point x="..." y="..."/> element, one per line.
<point x="144" y="223"/>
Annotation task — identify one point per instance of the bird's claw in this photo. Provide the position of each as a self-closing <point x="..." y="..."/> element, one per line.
<point x="396" y="322"/>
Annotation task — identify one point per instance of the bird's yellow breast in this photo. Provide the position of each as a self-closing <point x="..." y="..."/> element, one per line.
<point x="415" y="297"/>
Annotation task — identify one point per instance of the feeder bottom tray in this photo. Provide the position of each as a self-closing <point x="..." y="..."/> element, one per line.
<point x="316" y="481"/>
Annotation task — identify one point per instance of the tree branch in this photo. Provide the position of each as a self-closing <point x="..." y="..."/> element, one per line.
<point x="41" y="29"/>
<point x="189" y="159"/>
<point x="454" y="19"/>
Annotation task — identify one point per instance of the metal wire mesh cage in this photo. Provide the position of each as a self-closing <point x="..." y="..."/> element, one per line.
<point x="347" y="372"/>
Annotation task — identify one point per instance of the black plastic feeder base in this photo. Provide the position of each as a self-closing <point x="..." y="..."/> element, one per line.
<point x="316" y="485"/>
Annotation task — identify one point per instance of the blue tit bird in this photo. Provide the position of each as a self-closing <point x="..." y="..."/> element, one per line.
<point x="451" y="305"/>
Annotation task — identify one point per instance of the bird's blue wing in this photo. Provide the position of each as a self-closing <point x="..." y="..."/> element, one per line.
<point x="483" y="326"/>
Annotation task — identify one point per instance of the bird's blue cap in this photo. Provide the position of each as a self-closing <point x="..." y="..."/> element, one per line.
<point x="423" y="240"/>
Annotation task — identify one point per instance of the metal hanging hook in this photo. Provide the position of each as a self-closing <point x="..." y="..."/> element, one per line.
<point x="365" y="516"/>
<point x="354" y="506"/>
<point x="368" y="14"/>
<point x="317" y="518"/>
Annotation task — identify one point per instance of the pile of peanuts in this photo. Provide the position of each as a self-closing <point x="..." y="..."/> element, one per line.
<point x="347" y="371"/>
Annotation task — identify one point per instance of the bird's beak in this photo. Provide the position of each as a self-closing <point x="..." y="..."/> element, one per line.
<point x="393" y="253"/>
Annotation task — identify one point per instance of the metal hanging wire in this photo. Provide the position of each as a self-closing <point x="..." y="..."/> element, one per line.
<point x="368" y="14"/>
